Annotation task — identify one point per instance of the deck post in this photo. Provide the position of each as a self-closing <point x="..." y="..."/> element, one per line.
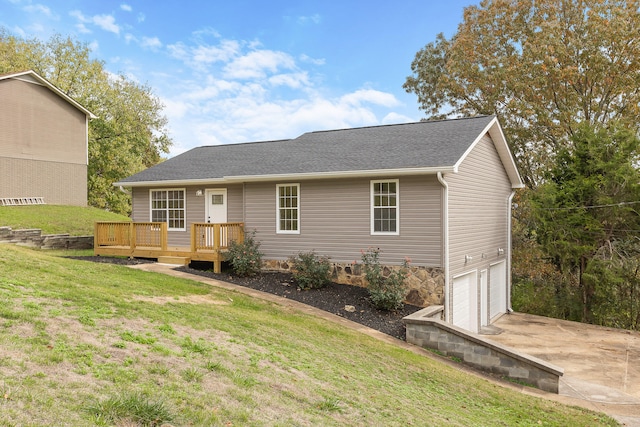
<point x="163" y="236"/>
<point x="96" y="239"/>
<point x="217" y="264"/>
<point x="132" y="237"/>
<point x="193" y="238"/>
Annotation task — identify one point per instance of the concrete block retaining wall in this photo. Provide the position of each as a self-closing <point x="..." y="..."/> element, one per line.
<point x="35" y="238"/>
<point x="427" y="331"/>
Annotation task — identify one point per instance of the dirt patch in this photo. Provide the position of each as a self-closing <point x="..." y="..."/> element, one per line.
<point x="191" y="299"/>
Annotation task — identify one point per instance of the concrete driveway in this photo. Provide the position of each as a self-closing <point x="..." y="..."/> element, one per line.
<point x="601" y="365"/>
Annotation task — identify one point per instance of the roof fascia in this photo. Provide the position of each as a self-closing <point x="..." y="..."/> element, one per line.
<point x="499" y="141"/>
<point x="296" y="177"/>
<point x="54" y="89"/>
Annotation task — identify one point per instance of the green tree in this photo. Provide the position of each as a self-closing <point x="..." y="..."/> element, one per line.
<point x="542" y="66"/>
<point x="588" y="222"/>
<point x="130" y="132"/>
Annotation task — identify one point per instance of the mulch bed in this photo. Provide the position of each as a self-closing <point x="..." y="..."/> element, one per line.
<point x="334" y="298"/>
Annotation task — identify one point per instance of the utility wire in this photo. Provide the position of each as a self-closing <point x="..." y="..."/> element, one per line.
<point x="591" y="207"/>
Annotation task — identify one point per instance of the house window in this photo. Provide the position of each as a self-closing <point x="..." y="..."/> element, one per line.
<point x="288" y="208"/>
<point x="385" y="217"/>
<point x="168" y="206"/>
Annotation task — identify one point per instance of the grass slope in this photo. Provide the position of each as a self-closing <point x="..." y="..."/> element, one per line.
<point x="97" y="344"/>
<point x="55" y="219"/>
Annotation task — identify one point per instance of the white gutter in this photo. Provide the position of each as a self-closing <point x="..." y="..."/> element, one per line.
<point x="509" y="213"/>
<point x="445" y="238"/>
<point x="291" y="176"/>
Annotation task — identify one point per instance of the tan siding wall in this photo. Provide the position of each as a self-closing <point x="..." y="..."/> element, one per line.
<point x="195" y="209"/>
<point x="478" y="196"/>
<point x="58" y="183"/>
<point x="335" y="221"/>
<point x="37" y="124"/>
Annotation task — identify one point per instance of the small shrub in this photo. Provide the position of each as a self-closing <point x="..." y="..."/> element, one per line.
<point x="245" y="257"/>
<point x="385" y="293"/>
<point x="310" y="270"/>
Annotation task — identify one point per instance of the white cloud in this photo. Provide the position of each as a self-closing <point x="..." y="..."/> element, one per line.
<point x="313" y="19"/>
<point x="126" y="7"/>
<point x="141" y="17"/>
<point x="292" y="80"/>
<point x="315" y="61"/>
<point x="39" y="8"/>
<point x="151" y="43"/>
<point x="202" y="56"/>
<point x="370" y="96"/>
<point x="256" y="64"/>
<point x="393" y="118"/>
<point x="105" y="22"/>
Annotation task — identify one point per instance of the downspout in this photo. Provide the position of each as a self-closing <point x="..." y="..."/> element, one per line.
<point x="445" y="238"/>
<point x="509" y="214"/>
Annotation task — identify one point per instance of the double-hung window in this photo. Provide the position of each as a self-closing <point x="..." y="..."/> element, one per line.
<point x="385" y="218"/>
<point x="288" y="208"/>
<point x="169" y="206"/>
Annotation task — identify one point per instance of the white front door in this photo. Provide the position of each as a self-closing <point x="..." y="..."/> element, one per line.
<point x="216" y="213"/>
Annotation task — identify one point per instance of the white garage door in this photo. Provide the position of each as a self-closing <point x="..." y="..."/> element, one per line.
<point x="465" y="302"/>
<point x="497" y="289"/>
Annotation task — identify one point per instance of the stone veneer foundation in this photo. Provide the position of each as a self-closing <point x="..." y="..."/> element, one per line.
<point x="425" y="284"/>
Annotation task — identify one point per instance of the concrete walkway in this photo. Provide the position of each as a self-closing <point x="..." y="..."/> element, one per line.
<point x="602" y="365"/>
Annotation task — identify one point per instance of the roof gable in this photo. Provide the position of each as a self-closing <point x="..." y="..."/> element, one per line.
<point x="31" y="76"/>
<point x="403" y="149"/>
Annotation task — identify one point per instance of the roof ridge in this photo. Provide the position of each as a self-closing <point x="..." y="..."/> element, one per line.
<point x="401" y="124"/>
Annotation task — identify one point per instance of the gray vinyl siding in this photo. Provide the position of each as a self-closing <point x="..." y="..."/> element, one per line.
<point x="478" y="196"/>
<point x="335" y="220"/>
<point x="195" y="208"/>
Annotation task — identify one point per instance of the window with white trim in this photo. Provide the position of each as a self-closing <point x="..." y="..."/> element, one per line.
<point x="288" y="208"/>
<point x="385" y="218"/>
<point x="169" y="206"/>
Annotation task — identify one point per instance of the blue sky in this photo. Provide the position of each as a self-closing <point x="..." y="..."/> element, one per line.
<point x="238" y="70"/>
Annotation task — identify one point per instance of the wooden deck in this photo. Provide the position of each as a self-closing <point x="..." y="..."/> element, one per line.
<point x="209" y="242"/>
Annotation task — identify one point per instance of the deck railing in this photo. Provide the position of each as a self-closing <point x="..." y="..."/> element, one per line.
<point x="213" y="237"/>
<point x="131" y="234"/>
<point x="149" y="238"/>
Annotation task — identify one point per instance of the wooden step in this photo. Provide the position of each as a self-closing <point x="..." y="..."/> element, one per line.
<point x="174" y="260"/>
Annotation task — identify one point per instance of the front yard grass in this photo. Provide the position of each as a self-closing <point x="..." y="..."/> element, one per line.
<point x="56" y="219"/>
<point x="99" y="344"/>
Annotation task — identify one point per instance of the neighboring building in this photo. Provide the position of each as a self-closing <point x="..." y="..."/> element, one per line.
<point x="43" y="142"/>
<point x="438" y="192"/>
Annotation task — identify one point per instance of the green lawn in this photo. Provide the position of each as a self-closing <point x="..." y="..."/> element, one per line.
<point x="54" y="219"/>
<point x="97" y="344"/>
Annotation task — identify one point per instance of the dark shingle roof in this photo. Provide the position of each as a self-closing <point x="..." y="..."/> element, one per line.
<point x="432" y="144"/>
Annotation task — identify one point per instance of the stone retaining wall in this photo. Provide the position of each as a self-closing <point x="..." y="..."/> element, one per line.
<point x="425" y="284"/>
<point x="34" y="238"/>
<point x="474" y="350"/>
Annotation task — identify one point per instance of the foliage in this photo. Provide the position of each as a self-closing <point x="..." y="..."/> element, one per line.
<point x="386" y="291"/>
<point x="245" y="257"/>
<point x="587" y="220"/>
<point x="56" y="219"/>
<point x="55" y="369"/>
<point x="542" y="67"/>
<point x="129" y="133"/>
<point x="310" y="270"/>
